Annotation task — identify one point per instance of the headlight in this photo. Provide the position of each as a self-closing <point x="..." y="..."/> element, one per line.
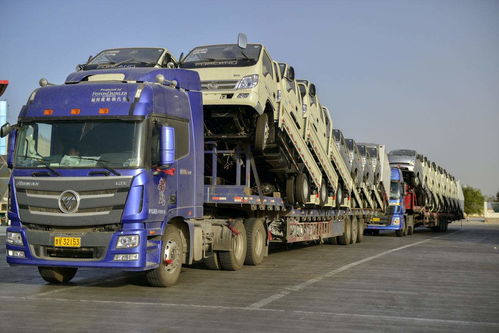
<point x="14" y="238"/>
<point x="127" y="242"/>
<point x="279" y="96"/>
<point x="248" y="82"/>
<point x="304" y="108"/>
<point x="396" y="221"/>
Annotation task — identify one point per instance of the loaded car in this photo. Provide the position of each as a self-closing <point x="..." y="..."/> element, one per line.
<point x="130" y="58"/>
<point x="239" y="89"/>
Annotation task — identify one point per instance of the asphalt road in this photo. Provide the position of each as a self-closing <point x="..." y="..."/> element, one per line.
<point x="428" y="282"/>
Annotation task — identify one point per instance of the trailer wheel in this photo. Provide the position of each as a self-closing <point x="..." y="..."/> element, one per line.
<point x="302" y="189"/>
<point x="234" y="260"/>
<point x="256" y="240"/>
<point x="346" y="238"/>
<point x="290" y="190"/>
<point x="360" y="234"/>
<point x="354" y="224"/>
<point x="57" y="274"/>
<point x="410" y="228"/>
<point x="170" y="265"/>
<point x="212" y="262"/>
<point x="262" y="132"/>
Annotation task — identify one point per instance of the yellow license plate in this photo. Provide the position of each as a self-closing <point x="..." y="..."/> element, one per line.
<point x="67" y="241"/>
<point x="375" y="219"/>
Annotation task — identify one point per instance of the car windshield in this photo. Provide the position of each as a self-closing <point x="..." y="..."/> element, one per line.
<point x="132" y="57"/>
<point x="80" y="144"/>
<point x="222" y="56"/>
<point x="403" y="152"/>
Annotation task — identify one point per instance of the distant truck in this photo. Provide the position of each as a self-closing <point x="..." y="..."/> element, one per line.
<point x="421" y="194"/>
<point x="3" y="86"/>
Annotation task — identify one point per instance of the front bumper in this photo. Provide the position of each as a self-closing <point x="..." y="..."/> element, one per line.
<point x="230" y="97"/>
<point x="98" y="249"/>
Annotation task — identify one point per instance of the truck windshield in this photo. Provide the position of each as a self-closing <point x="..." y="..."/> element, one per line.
<point x="394" y="190"/>
<point x="132" y="57"/>
<point x="80" y="144"/>
<point x="222" y="56"/>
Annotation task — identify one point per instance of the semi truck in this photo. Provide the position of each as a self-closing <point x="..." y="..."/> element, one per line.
<point x="421" y="194"/>
<point x="148" y="168"/>
<point x="119" y="174"/>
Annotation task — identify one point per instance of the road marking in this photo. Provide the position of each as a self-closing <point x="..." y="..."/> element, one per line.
<point x="238" y="308"/>
<point x="288" y="290"/>
<point x="71" y="288"/>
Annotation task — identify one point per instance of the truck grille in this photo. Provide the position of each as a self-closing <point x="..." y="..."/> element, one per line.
<point x="219" y="85"/>
<point x="100" y="200"/>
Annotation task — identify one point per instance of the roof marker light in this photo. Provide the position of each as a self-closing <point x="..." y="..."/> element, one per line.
<point x="103" y="110"/>
<point x="48" y="112"/>
<point x="75" y="111"/>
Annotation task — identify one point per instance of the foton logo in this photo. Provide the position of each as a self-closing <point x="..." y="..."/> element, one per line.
<point x="69" y="201"/>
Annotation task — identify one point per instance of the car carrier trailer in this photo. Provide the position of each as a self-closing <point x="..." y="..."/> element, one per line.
<point x="117" y="174"/>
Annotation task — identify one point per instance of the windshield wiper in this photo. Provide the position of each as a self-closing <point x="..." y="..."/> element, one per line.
<point x="102" y="163"/>
<point x="44" y="163"/>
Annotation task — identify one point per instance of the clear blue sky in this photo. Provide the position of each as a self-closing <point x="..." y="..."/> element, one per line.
<point x="409" y="74"/>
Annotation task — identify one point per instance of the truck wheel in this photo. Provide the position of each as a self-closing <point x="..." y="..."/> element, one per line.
<point x="399" y="232"/>
<point x="360" y="233"/>
<point x="302" y="189"/>
<point x="170" y="260"/>
<point x="290" y="190"/>
<point x="256" y="240"/>
<point x="355" y="230"/>
<point x="262" y="132"/>
<point x="234" y="260"/>
<point x="212" y="262"/>
<point x="346" y="238"/>
<point x="57" y="274"/>
<point x="410" y="228"/>
<point x="323" y="194"/>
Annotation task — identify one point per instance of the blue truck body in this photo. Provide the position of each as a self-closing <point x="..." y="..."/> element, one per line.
<point x="395" y="217"/>
<point x="139" y="206"/>
<point x="69" y="210"/>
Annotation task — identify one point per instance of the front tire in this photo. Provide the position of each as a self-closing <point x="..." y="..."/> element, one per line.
<point x="57" y="274"/>
<point x="323" y="194"/>
<point x="234" y="260"/>
<point x="262" y="133"/>
<point x="167" y="273"/>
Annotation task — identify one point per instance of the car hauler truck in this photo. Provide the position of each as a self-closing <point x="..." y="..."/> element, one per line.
<point x="421" y="194"/>
<point x="112" y="169"/>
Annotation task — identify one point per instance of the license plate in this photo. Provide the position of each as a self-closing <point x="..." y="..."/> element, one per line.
<point x="375" y="219"/>
<point x="67" y="241"/>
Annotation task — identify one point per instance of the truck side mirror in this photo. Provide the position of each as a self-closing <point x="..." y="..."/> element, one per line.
<point x="242" y="40"/>
<point x="11" y="144"/>
<point x="6" y="129"/>
<point x="167" y="146"/>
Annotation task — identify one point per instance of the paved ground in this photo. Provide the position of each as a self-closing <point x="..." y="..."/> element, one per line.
<point x="428" y="282"/>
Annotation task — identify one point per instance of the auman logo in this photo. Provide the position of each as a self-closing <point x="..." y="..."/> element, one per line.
<point x="69" y="201"/>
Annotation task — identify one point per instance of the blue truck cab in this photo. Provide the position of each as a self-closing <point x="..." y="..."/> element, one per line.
<point x="395" y="217"/>
<point x="106" y="170"/>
